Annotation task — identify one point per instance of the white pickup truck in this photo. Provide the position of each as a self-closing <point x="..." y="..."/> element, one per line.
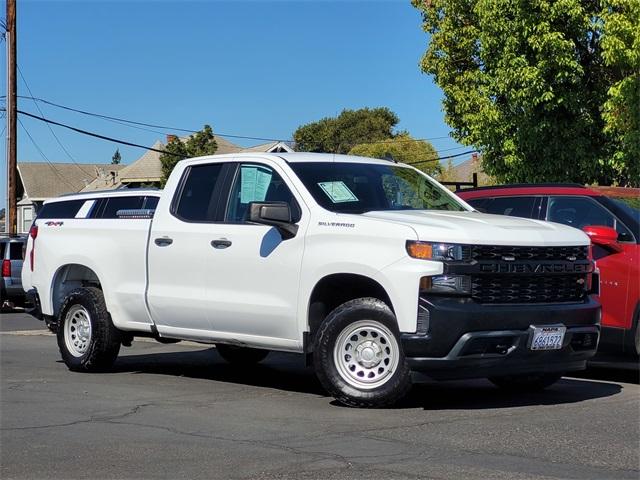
<point x="369" y="267"/>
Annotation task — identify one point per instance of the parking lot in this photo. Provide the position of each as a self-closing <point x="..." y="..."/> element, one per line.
<point x="179" y="411"/>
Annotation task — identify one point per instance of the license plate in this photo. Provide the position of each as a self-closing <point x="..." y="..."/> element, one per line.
<point x="547" y="338"/>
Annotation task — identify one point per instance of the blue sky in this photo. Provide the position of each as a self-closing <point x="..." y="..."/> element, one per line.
<point x="254" y="68"/>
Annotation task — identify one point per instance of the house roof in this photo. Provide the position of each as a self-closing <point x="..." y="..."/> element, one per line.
<point x="269" y="147"/>
<point x="465" y="170"/>
<point x="148" y="168"/>
<point x="46" y="180"/>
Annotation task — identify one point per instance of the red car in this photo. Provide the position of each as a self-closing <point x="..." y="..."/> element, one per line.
<point x="614" y="228"/>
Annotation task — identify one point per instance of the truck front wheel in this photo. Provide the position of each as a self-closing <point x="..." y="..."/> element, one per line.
<point x="358" y="357"/>
<point x="526" y="383"/>
<point x="87" y="339"/>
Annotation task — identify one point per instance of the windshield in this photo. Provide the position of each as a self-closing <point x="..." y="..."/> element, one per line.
<point x="363" y="187"/>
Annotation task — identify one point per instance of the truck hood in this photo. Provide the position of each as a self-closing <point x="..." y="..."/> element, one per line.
<point x="483" y="229"/>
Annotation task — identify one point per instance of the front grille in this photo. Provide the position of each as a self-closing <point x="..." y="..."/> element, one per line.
<point x="497" y="252"/>
<point x="506" y="288"/>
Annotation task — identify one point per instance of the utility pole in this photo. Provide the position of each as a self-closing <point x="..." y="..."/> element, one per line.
<point x="12" y="120"/>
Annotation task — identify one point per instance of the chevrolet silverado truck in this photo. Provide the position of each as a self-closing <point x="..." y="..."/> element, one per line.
<point x="369" y="267"/>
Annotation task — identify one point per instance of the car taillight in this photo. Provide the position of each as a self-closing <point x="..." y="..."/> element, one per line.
<point x="33" y="233"/>
<point x="6" y="268"/>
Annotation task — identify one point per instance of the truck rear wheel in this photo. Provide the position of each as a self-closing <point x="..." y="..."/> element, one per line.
<point x="241" y="355"/>
<point x="358" y="357"/>
<point x="87" y="339"/>
<point x="526" y="383"/>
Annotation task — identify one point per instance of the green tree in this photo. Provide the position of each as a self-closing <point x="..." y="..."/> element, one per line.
<point x="402" y="148"/>
<point x="526" y="84"/>
<point x="117" y="158"/>
<point x="199" y="144"/>
<point x="621" y="54"/>
<point x="340" y="134"/>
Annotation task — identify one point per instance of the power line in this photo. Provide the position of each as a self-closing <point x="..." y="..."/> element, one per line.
<point x="124" y="121"/>
<point x="24" y="80"/>
<point x="97" y="135"/>
<point x="131" y="144"/>
<point x="44" y="156"/>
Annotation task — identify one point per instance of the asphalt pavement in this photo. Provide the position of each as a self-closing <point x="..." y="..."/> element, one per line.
<point x="179" y="411"/>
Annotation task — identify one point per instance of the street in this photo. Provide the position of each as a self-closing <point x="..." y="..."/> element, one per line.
<point x="179" y="411"/>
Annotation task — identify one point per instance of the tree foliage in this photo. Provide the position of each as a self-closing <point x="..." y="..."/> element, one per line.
<point x="621" y="54"/>
<point x="527" y="84"/>
<point x="199" y="144"/>
<point x="117" y="158"/>
<point x="340" y="134"/>
<point x="402" y="148"/>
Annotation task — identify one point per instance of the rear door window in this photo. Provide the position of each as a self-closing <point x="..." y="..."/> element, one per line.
<point x="63" y="209"/>
<point x="151" y="203"/>
<point x="114" y="204"/>
<point x="15" y="250"/>
<point x="197" y="200"/>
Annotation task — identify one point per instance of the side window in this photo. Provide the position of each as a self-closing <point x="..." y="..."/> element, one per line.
<point x="113" y="204"/>
<point x="512" y="206"/>
<point x="15" y="251"/>
<point x="151" y="203"/>
<point x="580" y="212"/>
<point x="258" y="183"/>
<point x="479" y="203"/>
<point x="64" y="209"/>
<point x="196" y="201"/>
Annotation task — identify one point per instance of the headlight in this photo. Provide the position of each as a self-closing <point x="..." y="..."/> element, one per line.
<point x="434" y="251"/>
<point x="447" y="284"/>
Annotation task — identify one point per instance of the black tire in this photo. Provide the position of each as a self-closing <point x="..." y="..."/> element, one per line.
<point x="104" y="341"/>
<point x="241" y="355"/>
<point x="532" y="382"/>
<point x="636" y="334"/>
<point x="393" y="384"/>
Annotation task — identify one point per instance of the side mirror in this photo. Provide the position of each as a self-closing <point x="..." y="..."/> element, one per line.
<point x="605" y="237"/>
<point x="275" y="214"/>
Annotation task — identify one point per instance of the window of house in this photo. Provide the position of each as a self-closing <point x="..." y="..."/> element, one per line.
<point x="27" y="219"/>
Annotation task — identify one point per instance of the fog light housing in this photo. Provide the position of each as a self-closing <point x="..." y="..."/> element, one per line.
<point x="446" y="284"/>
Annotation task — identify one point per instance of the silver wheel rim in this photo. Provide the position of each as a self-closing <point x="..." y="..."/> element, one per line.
<point x="366" y="354"/>
<point x="77" y="330"/>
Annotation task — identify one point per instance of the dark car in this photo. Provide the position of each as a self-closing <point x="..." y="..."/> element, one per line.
<point x="11" y="255"/>
<point x="617" y="256"/>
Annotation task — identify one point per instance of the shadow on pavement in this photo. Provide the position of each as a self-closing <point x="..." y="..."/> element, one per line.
<point x="481" y="394"/>
<point x="279" y="370"/>
<point x="288" y="372"/>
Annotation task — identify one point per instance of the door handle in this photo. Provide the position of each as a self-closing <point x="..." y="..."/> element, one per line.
<point x="163" y="241"/>
<point x="220" y="244"/>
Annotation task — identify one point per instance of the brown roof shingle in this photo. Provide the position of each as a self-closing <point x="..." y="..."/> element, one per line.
<point x="46" y="180"/>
